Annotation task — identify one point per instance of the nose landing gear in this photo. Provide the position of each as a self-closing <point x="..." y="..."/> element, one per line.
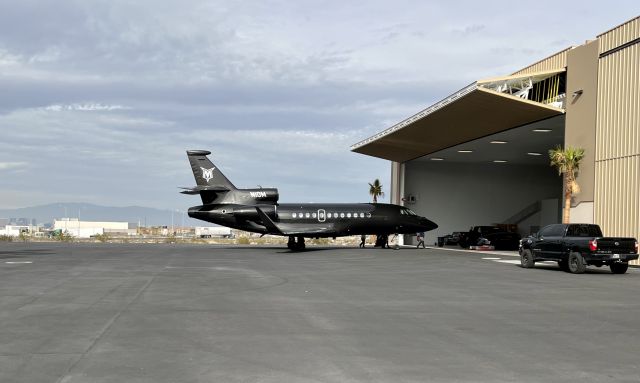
<point x="294" y="245"/>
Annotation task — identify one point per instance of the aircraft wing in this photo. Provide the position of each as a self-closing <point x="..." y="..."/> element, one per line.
<point x="282" y="230"/>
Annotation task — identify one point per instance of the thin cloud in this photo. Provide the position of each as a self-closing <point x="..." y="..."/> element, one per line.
<point x="87" y="107"/>
<point x="12" y="165"/>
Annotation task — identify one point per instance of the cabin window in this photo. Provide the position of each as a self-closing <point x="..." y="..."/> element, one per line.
<point x="361" y="215"/>
<point x="368" y="215"/>
<point x="294" y="215"/>
<point x="341" y="215"/>
<point x="328" y="215"/>
<point x="307" y="215"/>
<point x="313" y="215"/>
<point x="348" y="215"/>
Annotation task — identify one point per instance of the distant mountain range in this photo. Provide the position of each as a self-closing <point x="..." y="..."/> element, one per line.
<point x="145" y="216"/>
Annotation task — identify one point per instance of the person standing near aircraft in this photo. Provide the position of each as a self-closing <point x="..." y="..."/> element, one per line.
<point x="420" y="238"/>
<point x="363" y="239"/>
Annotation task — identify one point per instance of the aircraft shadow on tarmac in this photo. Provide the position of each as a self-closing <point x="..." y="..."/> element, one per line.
<point x="281" y="250"/>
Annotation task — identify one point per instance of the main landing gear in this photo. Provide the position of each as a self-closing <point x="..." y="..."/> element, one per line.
<point x="295" y="245"/>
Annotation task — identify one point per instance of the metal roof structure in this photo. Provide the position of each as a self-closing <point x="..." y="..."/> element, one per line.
<point x="480" y="109"/>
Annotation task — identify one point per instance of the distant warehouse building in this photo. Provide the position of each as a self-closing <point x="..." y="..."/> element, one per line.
<point x="86" y="229"/>
<point x="480" y="155"/>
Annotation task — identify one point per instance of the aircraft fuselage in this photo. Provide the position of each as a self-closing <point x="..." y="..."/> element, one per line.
<point x="316" y="219"/>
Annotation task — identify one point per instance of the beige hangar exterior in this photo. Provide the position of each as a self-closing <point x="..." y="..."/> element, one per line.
<point x="486" y="145"/>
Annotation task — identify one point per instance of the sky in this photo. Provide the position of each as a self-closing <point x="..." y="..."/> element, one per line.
<point x="99" y="100"/>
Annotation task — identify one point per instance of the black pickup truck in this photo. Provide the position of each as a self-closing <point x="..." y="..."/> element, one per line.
<point x="575" y="246"/>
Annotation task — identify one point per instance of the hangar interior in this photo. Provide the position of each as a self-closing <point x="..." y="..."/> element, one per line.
<point x="504" y="178"/>
<point x="480" y="156"/>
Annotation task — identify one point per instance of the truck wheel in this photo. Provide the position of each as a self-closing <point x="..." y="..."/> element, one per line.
<point x="564" y="265"/>
<point x="526" y="259"/>
<point x="619" y="268"/>
<point x="576" y="263"/>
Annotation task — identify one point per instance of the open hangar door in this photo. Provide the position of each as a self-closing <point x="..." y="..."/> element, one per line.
<point x="480" y="156"/>
<point x="504" y="178"/>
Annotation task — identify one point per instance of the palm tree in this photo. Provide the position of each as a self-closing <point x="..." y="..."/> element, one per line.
<point x="375" y="189"/>
<point x="567" y="161"/>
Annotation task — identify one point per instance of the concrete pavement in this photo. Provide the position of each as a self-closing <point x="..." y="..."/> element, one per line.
<point x="179" y="313"/>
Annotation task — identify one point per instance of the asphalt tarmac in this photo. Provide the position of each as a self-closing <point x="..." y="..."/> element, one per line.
<point x="177" y="313"/>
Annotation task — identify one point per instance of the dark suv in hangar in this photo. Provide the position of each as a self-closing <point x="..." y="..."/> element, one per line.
<point x="490" y="235"/>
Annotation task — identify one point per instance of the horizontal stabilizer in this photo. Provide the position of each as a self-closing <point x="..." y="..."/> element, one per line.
<point x="200" y="188"/>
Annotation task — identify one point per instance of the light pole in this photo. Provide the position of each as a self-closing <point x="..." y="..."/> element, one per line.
<point x="181" y="224"/>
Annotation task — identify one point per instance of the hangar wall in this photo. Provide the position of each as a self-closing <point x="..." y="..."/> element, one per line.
<point x="617" y="163"/>
<point x="469" y="194"/>
<point x="553" y="62"/>
<point x="580" y="122"/>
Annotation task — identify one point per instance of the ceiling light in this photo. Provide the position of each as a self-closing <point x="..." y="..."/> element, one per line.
<point x="534" y="154"/>
<point x="542" y="130"/>
<point x="465" y="151"/>
<point x="436" y="159"/>
<point x="498" y="142"/>
<point x="499" y="161"/>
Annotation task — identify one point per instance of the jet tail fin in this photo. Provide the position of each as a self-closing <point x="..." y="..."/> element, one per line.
<point x="211" y="183"/>
<point x="205" y="173"/>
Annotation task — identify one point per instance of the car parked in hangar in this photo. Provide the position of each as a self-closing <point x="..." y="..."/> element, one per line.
<point x="453" y="238"/>
<point x="495" y="236"/>
<point x="576" y="246"/>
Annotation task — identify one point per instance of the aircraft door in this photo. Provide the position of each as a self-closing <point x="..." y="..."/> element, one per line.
<point x="321" y="215"/>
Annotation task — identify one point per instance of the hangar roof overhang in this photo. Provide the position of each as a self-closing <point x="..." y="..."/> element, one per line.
<point x="478" y="110"/>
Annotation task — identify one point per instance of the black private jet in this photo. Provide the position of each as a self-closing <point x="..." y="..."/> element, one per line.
<point x="257" y="210"/>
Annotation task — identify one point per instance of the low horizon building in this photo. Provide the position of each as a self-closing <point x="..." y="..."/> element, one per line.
<point x="87" y="229"/>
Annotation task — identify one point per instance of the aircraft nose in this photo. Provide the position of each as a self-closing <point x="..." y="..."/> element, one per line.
<point x="428" y="224"/>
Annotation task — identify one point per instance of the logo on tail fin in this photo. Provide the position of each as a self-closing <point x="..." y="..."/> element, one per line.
<point x="207" y="174"/>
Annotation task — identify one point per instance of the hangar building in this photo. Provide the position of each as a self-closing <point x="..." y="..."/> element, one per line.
<point x="480" y="155"/>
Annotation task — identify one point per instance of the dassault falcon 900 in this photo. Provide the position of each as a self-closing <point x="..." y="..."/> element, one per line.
<point x="258" y="210"/>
